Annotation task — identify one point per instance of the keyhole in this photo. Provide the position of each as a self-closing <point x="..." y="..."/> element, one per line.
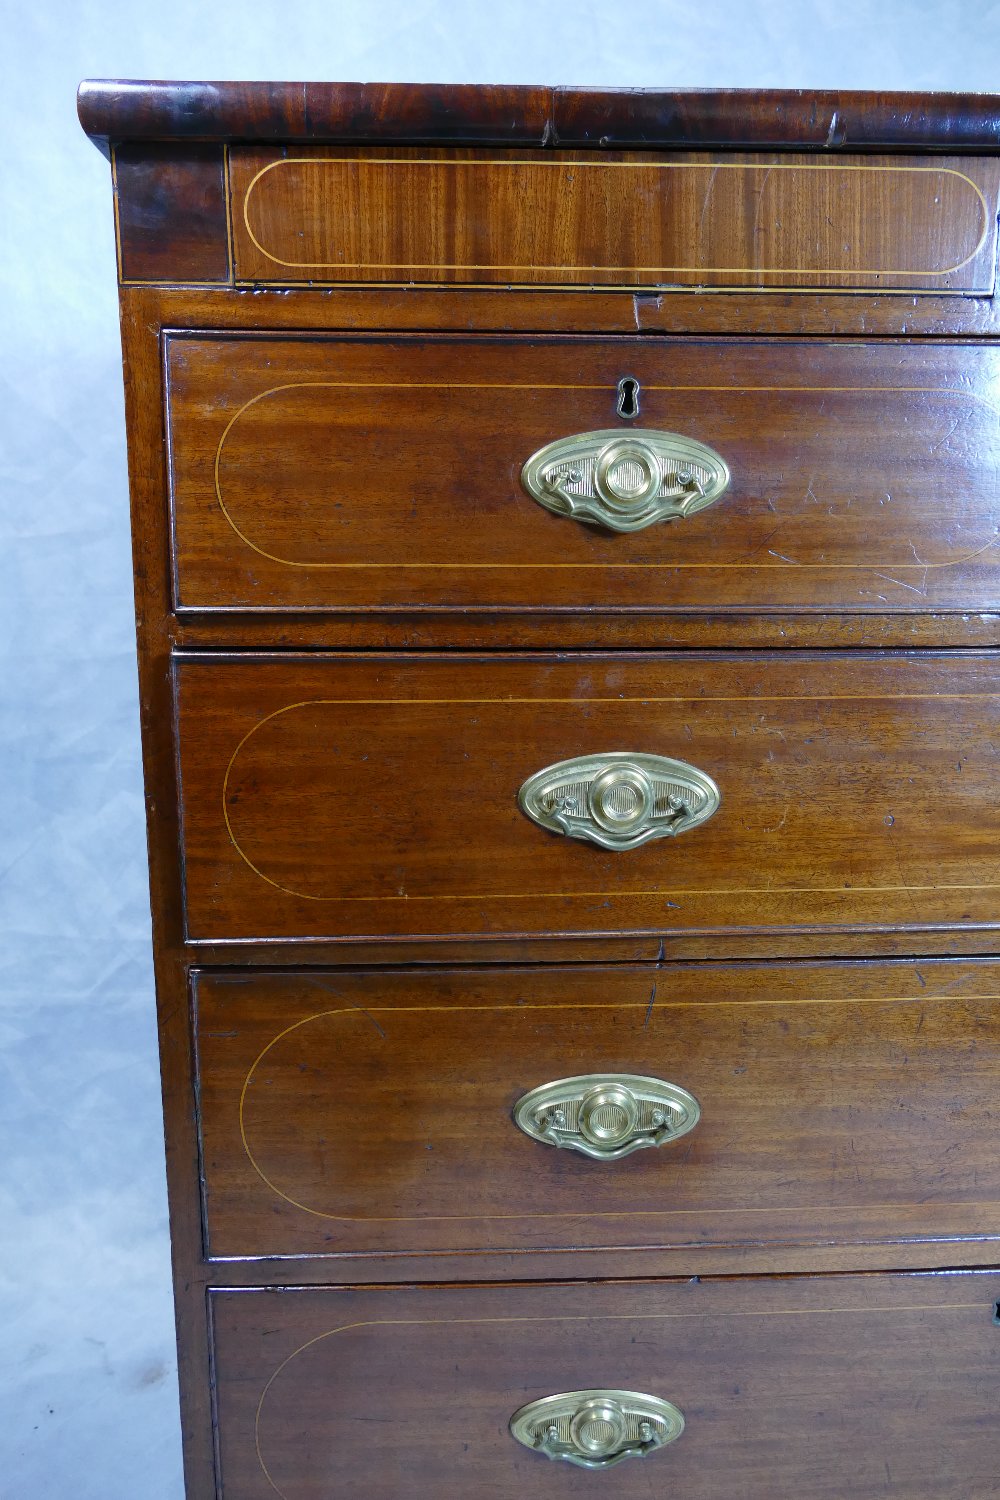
<point x="628" y="397"/>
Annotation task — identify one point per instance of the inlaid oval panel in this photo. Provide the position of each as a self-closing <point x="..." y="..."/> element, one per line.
<point x="344" y="796"/>
<point x="371" y="1113"/>
<point x="390" y="473"/>
<point x="613" y="218"/>
<point x="385" y="1393"/>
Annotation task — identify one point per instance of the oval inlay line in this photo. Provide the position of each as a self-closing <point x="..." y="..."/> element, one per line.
<point x="867" y="1311"/>
<point x="669" y="891"/>
<point x="625" y="1005"/>
<point x="589" y="164"/>
<point x="498" y="565"/>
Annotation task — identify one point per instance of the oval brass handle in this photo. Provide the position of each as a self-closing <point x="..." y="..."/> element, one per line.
<point x="625" y="480"/>
<point x="619" y="800"/>
<point x="597" y="1429"/>
<point x="607" y="1115"/>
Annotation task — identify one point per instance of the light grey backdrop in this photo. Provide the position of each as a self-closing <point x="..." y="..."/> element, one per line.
<point x="87" y="1381"/>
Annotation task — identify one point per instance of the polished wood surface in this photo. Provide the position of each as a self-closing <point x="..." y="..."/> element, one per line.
<point x="637" y="220"/>
<point x="353" y="796"/>
<point x="588" y="631"/>
<point x="170" y="213"/>
<point x="829" y="120"/>
<point x="664" y="947"/>
<point x="359" y="1113"/>
<point x="852" y="1388"/>
<point x="858" y="316"/>
<point x="129" y="109"/>
<point x="362" y="474"/>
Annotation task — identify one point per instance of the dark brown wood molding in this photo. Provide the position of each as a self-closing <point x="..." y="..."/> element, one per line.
<point x="171" y="211"/>
<point x="776" y="119"/>
<point x="113" y="110"/>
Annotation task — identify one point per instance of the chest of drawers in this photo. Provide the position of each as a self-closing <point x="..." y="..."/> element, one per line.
<point x="568" y="603"/>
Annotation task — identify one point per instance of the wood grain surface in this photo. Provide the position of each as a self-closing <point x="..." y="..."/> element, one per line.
<point x="828" y="120"/>
<point x="847" y="1388"/>
<point x="372" y="1111"/>
<point x="353" y="796"/>
<point x="171" y="211"/>
<point x="635" y="220"/>
<point x="355" y="473"/>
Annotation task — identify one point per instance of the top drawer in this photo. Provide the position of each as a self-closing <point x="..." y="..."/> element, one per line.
<point x="346" y="473"/>
<point x="617" y="219"/>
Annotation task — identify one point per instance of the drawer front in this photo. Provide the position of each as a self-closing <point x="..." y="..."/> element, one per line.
<point x="341" y="797"/>
<point x="353" y="474"/>
<point x="374" y="1112"/>
<point x="621" y="219"/>
<point x="847" y="1388"/>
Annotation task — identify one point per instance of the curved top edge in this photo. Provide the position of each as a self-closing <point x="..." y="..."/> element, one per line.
<point x="113" y="110"/>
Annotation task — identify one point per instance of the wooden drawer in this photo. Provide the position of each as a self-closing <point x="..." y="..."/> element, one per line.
<point x="373" y="1113"/>
<point x="346" y="473"/>
<point x="336" y="796"/>
<point x="622" y="219"/>
<point x="846" y="1388"/>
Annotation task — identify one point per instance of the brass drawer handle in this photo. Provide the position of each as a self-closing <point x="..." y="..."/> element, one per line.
<point x="607" y="1115"/>
<point x="619" y="800"/>
<point x="597" y="1429"/>
<point x="625" y="481"/>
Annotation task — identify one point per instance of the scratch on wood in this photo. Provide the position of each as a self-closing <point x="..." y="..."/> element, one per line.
<point x="710" y="184"/>
<point x="904" y="885"/>
<point x="835" y="135"/>
<point x="371" y="1018"/>
<point x="638" y="301"/>
<point x="784" y="815"/>
<point x="649" y="1007"/>
<point x="922" y="590"/>
<point x="755" y="229"/>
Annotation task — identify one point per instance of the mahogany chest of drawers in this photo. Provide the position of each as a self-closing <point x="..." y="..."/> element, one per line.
<point x="568" y="597"/>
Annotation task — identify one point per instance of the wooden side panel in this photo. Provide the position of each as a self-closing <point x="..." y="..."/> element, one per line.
<point x="865" y="1388"/>
<point x="347" y="797"/>
<point x="373" y="1112"/>
<point x="367" y="473"/>
<point x="171" y="213"/>
<point x="618" y="219"/>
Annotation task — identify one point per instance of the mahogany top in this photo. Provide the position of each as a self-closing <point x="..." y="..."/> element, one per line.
<point x="113" y="110"/>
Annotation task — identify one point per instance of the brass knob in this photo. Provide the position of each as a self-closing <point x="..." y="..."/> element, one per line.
<point x="597" y="1429"/>
<point x="625" y="480"/>
<point x="619" y="800"/>
<point x="607" y="1116"/>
